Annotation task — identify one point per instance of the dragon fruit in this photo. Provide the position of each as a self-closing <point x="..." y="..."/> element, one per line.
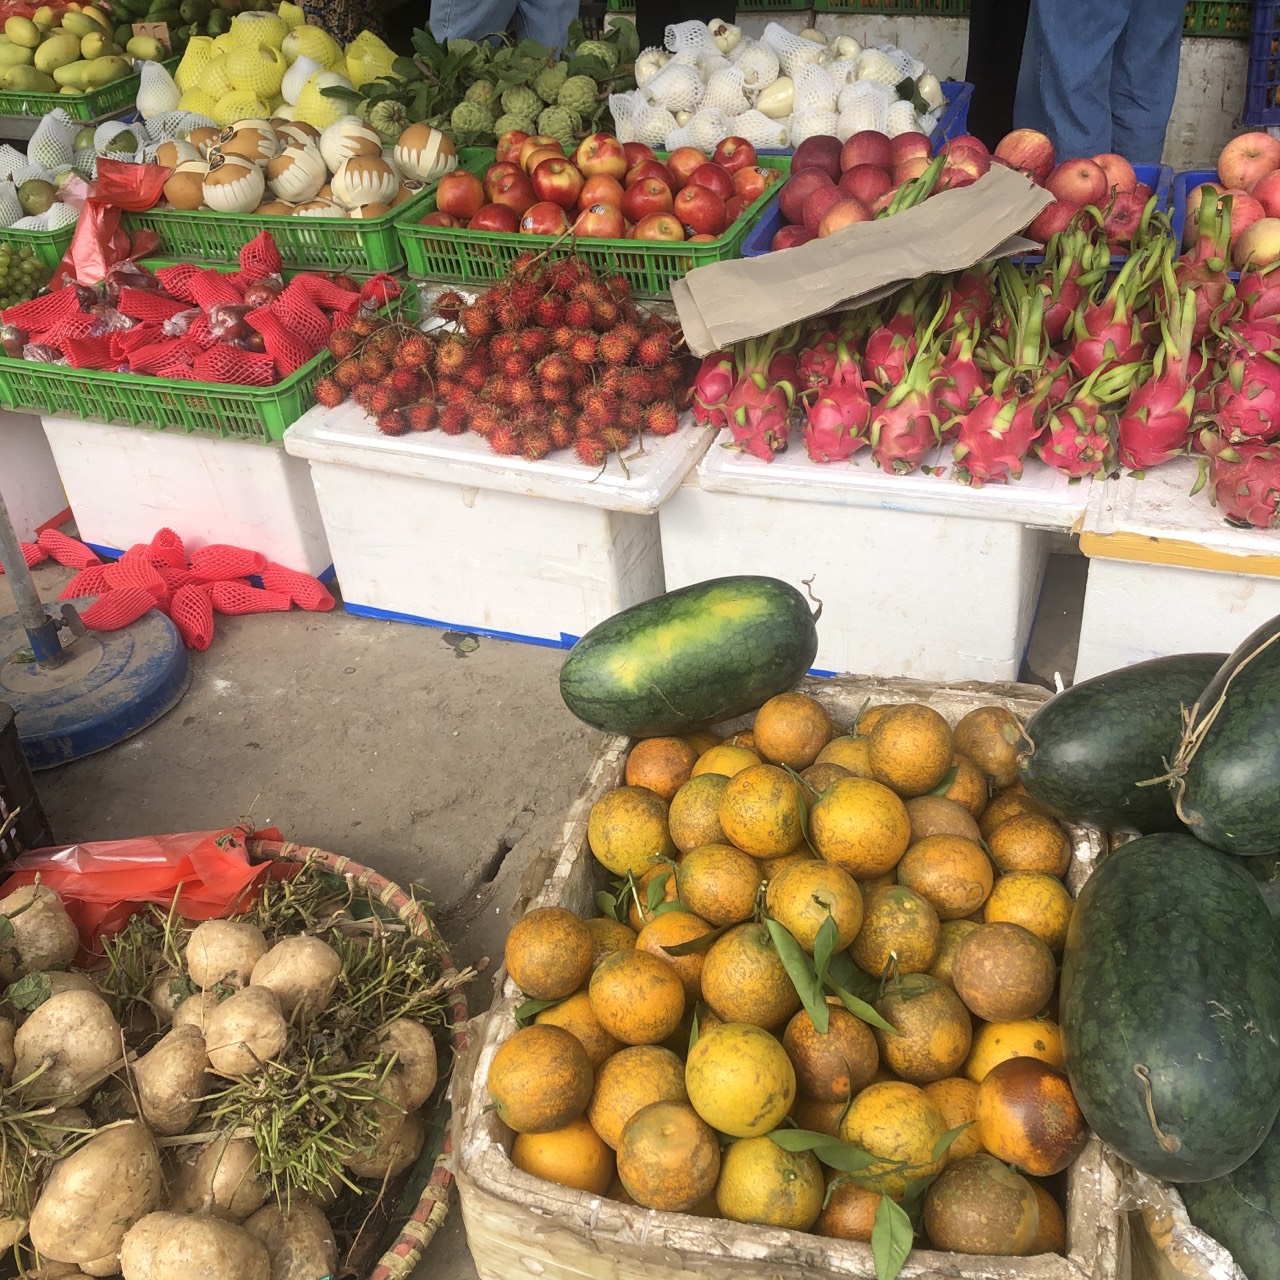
<point x="1246" y="402"/>
<point x="1072" y="268"/>
<point x="1204" y="268"/>
<point x="817" y="361"/>
<point x="962" y="381"/>
<point x="970" y="301"/>
<point x="904" y="425"/>
<point x="836" y="420"/>
<point x="1259" y="293"/>
<point x="892" y="345"/>
<point x="1156" y="423"/>
<point x="1244" y="480"/>
<point x="1109" y="331"/>
<point x="759" y="409"/>
<point x="1078" y="438"/>
<point x="716" y="376"/>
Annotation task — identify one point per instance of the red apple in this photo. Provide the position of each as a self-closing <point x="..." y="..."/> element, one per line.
<point x="910" y="146"/>
<point x="546" y="218"/>
<point x="557" y="180"/>
<point x="1190" y="232"/>
<point x="600" y="189"/>
<point x="1124" y="216"/>
<point x="1028" y="150"/>
<point x="966" y="140"/>
<point x="700" y="210"/>
<point x="658" y="226"/>
<point x="1247" y="158"/>
<point x="515" y="191"/>
<point x="1260" y="245"/>
<point x="683" y="161"/>
<point x="1052" y="219"/>
<point x="950" y="178"/>
<point x="822" y="151"/>
<point x="650" y="169"/>
<point x="714" y="178"/>
<point x="842" y="214"/>
<point x="909" y="169"/>
<point x="601" y="222"/>
<point x="509" y="145"/>
<point x="968" y="160"/>
<point x="701" y="238"/>
<point x="460" y="193"/>
<point x="496" y="171"/>
<point x="535" y="157"/>
<point x="601" y="153"/>
<point x="867" y="147"/>
<point x="884" y="201"/>
<point x="797" y="189"/>
<point x="439" y="219"/>
<point x="534" y="142"/>
<point x="1144" y="191"/>
<point x="865" y="182"/>
<point x="1266" y="191"/>
<point x="495" y="217"/>
<point x="734" y="153"/>
<point x="735" y="207"/>
<point x="646" y="197"/>
<point x="789" y="237"/>
<point x="1120" y="174"/>
<point x="1078" y="180"/>
<point x="635" y="152"/>
<point x="752" y="183"/>
<point x="1245" y="211"/>
<point x="818" y="202"/>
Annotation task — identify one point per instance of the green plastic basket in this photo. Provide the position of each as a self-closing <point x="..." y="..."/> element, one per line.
<point x="120" y="95"/>
<point x="48" y="246"/>
<point x="322" y="244"/>
<point x="1230" y="18"/>
<point x="458" y="255"/>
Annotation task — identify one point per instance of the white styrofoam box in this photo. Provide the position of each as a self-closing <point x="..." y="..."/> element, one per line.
<point x="29" y="477"/>
<point x="125" y="483"/>
<point x="1167" y="574"/>
<point x="437" y="530"/>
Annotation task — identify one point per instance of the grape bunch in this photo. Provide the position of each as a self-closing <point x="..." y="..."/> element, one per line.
<point x="22" y="274"/>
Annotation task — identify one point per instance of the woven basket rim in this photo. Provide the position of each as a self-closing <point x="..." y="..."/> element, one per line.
<point x="420" y="1228"/>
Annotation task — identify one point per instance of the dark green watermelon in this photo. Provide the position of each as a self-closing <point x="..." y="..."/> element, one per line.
<point x="1227" y="774"/>
<point x="1097" y="741"/>
<point x="1170" y="1008"/>
<point x="1266" y="875"/>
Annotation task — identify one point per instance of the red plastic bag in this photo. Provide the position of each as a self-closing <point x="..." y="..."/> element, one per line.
<point x="100" y="242"/>
<point x="104" y="882"/>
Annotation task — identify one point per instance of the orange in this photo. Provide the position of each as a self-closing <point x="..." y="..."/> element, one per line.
<point x="990" y="737"/>
<point x="900" y="933"/>
<point x="762" y="1183"/>
<point x="871" y="716"/>
<point x="934" y="1029"/>
<point x="860" y="825"/>
<point x="937" y="816"/>
<point x="897" y="1123"/>
<point x="980" y="1206"/>
<point x="639" y="913"/>
<point x="969" y="787"/>
<point x="540" y="1079"/>
<point x="762" y="813"/>
<point x="719" y="883"/>
<point x="835" y="1065"/>
<point x="996" y="1042"/>
<point x="1030" y="842"/>
<point x="627" y="830"/>
<point x="668" y="1158"/>
<point x="821" y="777"/>
<point x="850" y="753"/>
<point x="1003" y="972"/>
<point x="817" y="1117"/>
<point x="608" y="936"/>
<point x="791" y="729"/>
<point x="725" y="760"/>
<point x="957" y="1099"/>
<point x="954" y="874"/>
<point x="1029" y="1118"/>
<point x="870" y="885"/>
<point x="1036" y="901"/>
<point x="694" y="819"/>
<point x="1051" y="1235"/>
<point x="631" y="1079"/>
<point x="573" y="1156"/>
<point x="661" y="764"/>
<point x="548" y="953"/>
<point x="804" y="895"/>
<point x="577" y="1017"/>
<point x="670" y="929"/>
<point x="1005" y="805"/>
<point x="701" y="741"/>
<point x="850" y="1211"/>
<point x="637" y="997"/>
<point x="743" y="978"/>
<point x="740" y="1080"/>
<point x="744" y="738"/>
<point x="911" y="749"/>
<point x="772" y="867"/>
<point x="952" y="934"/>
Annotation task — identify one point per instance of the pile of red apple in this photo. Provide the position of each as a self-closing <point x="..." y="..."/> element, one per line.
<point x="1249" y="172"/>
<point x="609" y="190"/>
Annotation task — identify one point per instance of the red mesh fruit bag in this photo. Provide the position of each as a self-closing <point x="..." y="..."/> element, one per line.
<point x="67" y="551"/>
<point x="302" y="318"/>
<point x="208" y="288"/>
<point x="137" y="573"/>
<point x="305" y="591"/>
<point x="141" y="304"/>
<point x="33" y="553"/>
<point x="324" y="293"/>
<point x="175" y="579"/>
<point x="378" y="290"/>
<point x="192" y="613"/>
<point x="168" y="549"/>
<point x="287" y="350"/>
<point x="177" y="371"/>
<point x="141" y="335"/>
<point x="75" y="326"/>
<point x="43" y="313"/>
<point x="199" y="333"/>
<point x="88" y="582"/>
<point x="221" y="561"/>
<point x="177" y="279"/>
<point x="240" y="597"/>
<point x="259" y="258"/>
<point x="117" y="609"/>
<point x="150" y="360"/>
<point x="90" y="353"/>
<point x="230" y="365"/>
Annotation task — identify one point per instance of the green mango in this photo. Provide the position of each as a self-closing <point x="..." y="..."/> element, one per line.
<point x="79" y="24"/>
<point x="44" y="18"/>
<point x="23" y="79"/>
<point x="104" y="71"/>
<point x="98" y="44"/>
<point x="147" y="48"/>
<point x="14" y="55"/>
<point x="72" y="74"/>
<point x="22" y="31"/>
<point x="57" y="51"/>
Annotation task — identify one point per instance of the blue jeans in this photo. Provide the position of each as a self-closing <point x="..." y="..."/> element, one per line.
<point x="546" y="21"/>
<point x="1100" y="75"/>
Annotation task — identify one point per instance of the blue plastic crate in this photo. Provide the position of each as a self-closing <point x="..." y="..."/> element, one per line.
<point x="1262" y="84"/>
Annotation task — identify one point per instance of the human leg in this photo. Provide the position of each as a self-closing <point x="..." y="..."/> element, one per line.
<point x="546" y="21"/>
<point x="470" y="19"/>
<point x="1144" y="79"/>
<point x="997" y="30"/>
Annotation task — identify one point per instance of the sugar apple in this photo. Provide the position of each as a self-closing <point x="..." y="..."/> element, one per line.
<point x="598" y="49"/>
<point x="521" y="101"/>
<point x="509" y="124"/>
<point x="547" y="83"/>
<point x="389" y="119"/>
<point x="471" y="117"/>
<point x="561" y="124"/>
<point x="481" y="92"/>
<point x="578" y="93"/>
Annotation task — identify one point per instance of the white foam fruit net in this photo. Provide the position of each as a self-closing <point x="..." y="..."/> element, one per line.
<point x="705" y="128"/>
<point x="759" y="65"/>
<point x="843" y="71"/>
<point x="863" y="105"/>
<point x="652" y="125"/>
<point x="815" y="90"/>
<point x="675" y="88"/>
<point x="622" y="107"/>
<point x="171" y="125"/>
<point x="690" y="37"/>
<point x="50" y="145"/>
<point x="725" y="92"/>
<point x="11" y="160"/>
<point x="10" y="209"/>
<point x="760" y="131"/>
<point x="902" y="119"/>
<point x="793" y="51"/>
<point x="912" y="68"/>
<point x="812" y="124"/>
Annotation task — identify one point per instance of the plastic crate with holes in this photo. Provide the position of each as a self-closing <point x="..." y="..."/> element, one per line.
<point x="111" y="100"/>
<point x="1230" y="18"/>
<point x="1262" y="86"/>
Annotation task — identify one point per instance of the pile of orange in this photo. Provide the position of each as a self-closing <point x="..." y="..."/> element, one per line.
<point x="665" y="1046"/>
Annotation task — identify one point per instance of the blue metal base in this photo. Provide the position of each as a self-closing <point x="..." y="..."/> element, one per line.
<point x="112" y="685"/>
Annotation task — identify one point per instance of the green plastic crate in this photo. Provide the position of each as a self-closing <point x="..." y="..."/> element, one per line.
<point x="319" y="244"/>
<point x="458" y="255"/>
<point x="1230" y="18"/>
<point x="906" y="8"/>
<point x="49" y="246"/>
<point x="110" y="100"/>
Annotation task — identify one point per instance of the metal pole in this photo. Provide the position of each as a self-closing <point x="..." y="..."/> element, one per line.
<point x="42" y="630"/>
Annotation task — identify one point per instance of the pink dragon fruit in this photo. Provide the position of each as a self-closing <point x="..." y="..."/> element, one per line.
<point x="836" y="421"/>
<point x="758" y="409"/>
<point x="1259" y="292"/>
<point x="1078" y="440"/>
<point x="1109" y="331"/>
<point x="970" y="300"/>
<point x="1073" y="267"/>
<point x="1244" y="480"/>
<point x="904" y="425"/>
<point x="962" y="381"/>
<point x="818" y="360"/>
<point x="891" y="345"/>
<point x="1156" y="424"/>
<point x="1204" y="268"/>
<point x="1246" y="402"/>
<point x="711" y="388"/>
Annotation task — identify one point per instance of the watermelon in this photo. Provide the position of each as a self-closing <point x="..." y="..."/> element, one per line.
<point x="689" y="658"/>
<point x="1170" y="1008"/>
<point x="1226" y="778"/>
<point x="1095" y="743"/>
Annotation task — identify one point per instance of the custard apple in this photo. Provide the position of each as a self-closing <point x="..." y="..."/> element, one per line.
<point x="481" y="92"/>
<point x="561" y="124"/>
<point x="578" y="93"/>
<point x="521" y="101"/>
<point x="509" y="124"/>
<point x="547" y="83"/>
<point x="471" y="117"/>
<point x="598" y="49"/>
<point x="389" y="119"/>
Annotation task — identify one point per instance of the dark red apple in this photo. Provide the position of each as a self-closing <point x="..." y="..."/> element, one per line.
<point x="460" y="193"/>
<point x="545" y="218"/>
<point x="516" y="192"/>
<point x="1028" y="150"/>
<point x="496" y="171"/>
<point x="817" y="204"/>
<point x="714" y="178"/>
<point x="735" y="207"/>
<point x="951" y="178"/>
<point x="752" y="183"/>
<point x="494" y="217"/>
<point x="635" y="152"/>
<point x="700" y="210"/>
<point x="843" y="214"/>
<point x="973" y="162"/>
<point x="650" y="169"/>
<point x="865" y="182"/>
<point x="438" y="219"/>
<point x="789" y="237"/>
<point x="868" y="146"/>
<point x="1144" y="191"/>
<point x="683" y="161"/>
<point x="797" y="189"/>
<point x="822" y="151"/>
<point x="601" y="222"/>
<point x="1078" y="180"/>
<point x="1123" y="219"/>
<point x="509" y="145"/>
<point x="909" y="169"/>
<point x="734" y="154"/>
<point x="1052" y="219"/>
<point x="600" y="189"/>
<point x="645" y="197"/>
<point x="658" y="226"/>
<point x="909" y="146"/>
<point x="966" y="140"/>
<point x="558" y="180"/>
<point x="1120" y="174"/>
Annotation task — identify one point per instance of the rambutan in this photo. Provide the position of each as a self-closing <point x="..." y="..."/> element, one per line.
<point x="384" y="399"/>
<point x="589" y="289"/>
<point x="556" y="368"/>
<point x="591" y="450"/>
<point x="474" y="376"/>
<point x="526" y="292"/>
<point x="617" y="437"/>
<point x="557" y="392"/>
<point x="414" y="352"/>
<point x="393" y="423"/>
<point x="385" y="342"/>
<point x="549" y="312"/>
<point x="619" y="288"/>
<point x="510" y="314"/>
<point x="422" y="417"/>
<point x="514" y="365"/>
<point x="600" y="409"/>
<point x="330" y="393"/>
<point x="477" y="320"/>
<point x="453" y="419"/>
<point x="451" y="356"/>
<point x="449" y="305"/>
<point x="524" y="260"/>
<point x="496" y="390"/>
<point x="578" y="313"/>
<point x="485" y="419"/>
<point x="363" y="325"/>
<point x="362" y="393"/>
<point x="630" y="415"/>
<point x="617" y="345"/>
<point x="535" y="444"/>
<point x="585" y="348"/>
<point x="560" y="432"/>
<point x="448" y="390"/>
<point x="342" y="342"/>
<point x="524" y="392"/>
<point x="347" y="373"/>
<point x="373" y="366"/>
<point x="652" y="349"/>
<point x="505" y="440"/>
<point x="562" y="337"/>
<point x="406" y="384"/>
<point x="567" y="272"/>
<point x="604" y="316"/>
<point x="661" y="418"/>
<point x="615" y="380"/>
<point x="535" y="343"/>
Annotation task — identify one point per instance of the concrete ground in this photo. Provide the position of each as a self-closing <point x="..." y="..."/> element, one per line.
<point x="381" y="741"/>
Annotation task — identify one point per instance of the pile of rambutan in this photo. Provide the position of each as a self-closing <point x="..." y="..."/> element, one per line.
<point x="552" y="357"/>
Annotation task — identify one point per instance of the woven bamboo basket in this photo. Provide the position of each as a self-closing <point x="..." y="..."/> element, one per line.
<point x="432" y="1176"/>
<point x="519" y="1225"/>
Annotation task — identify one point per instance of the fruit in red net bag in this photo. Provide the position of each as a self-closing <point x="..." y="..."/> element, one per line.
<point x="305" y="591"/>
<point x="241" y="598"/>
<point x="142" y="304"/>
<point x="287" y="350"/>
<point x="177" y="280"/>
<point x="208" y="288"/>
<point x="302" y="317"/>
<point x="227" y="321"/>
<point x="167" y="548"/>
<point x="231" y="365"/>
<point x="192" y="613"/>
<point x="118" y="609"/>
<point x="260" y="257"/>
<point x="67" y="551"/>
<point x="220" y="561"/>
<point x="262" y="293"/>
<point x="90" y="353"/>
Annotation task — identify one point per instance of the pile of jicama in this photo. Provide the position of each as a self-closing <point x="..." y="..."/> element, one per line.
<point x="1087" y="368"/>
<point x="232" y="1098"/>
